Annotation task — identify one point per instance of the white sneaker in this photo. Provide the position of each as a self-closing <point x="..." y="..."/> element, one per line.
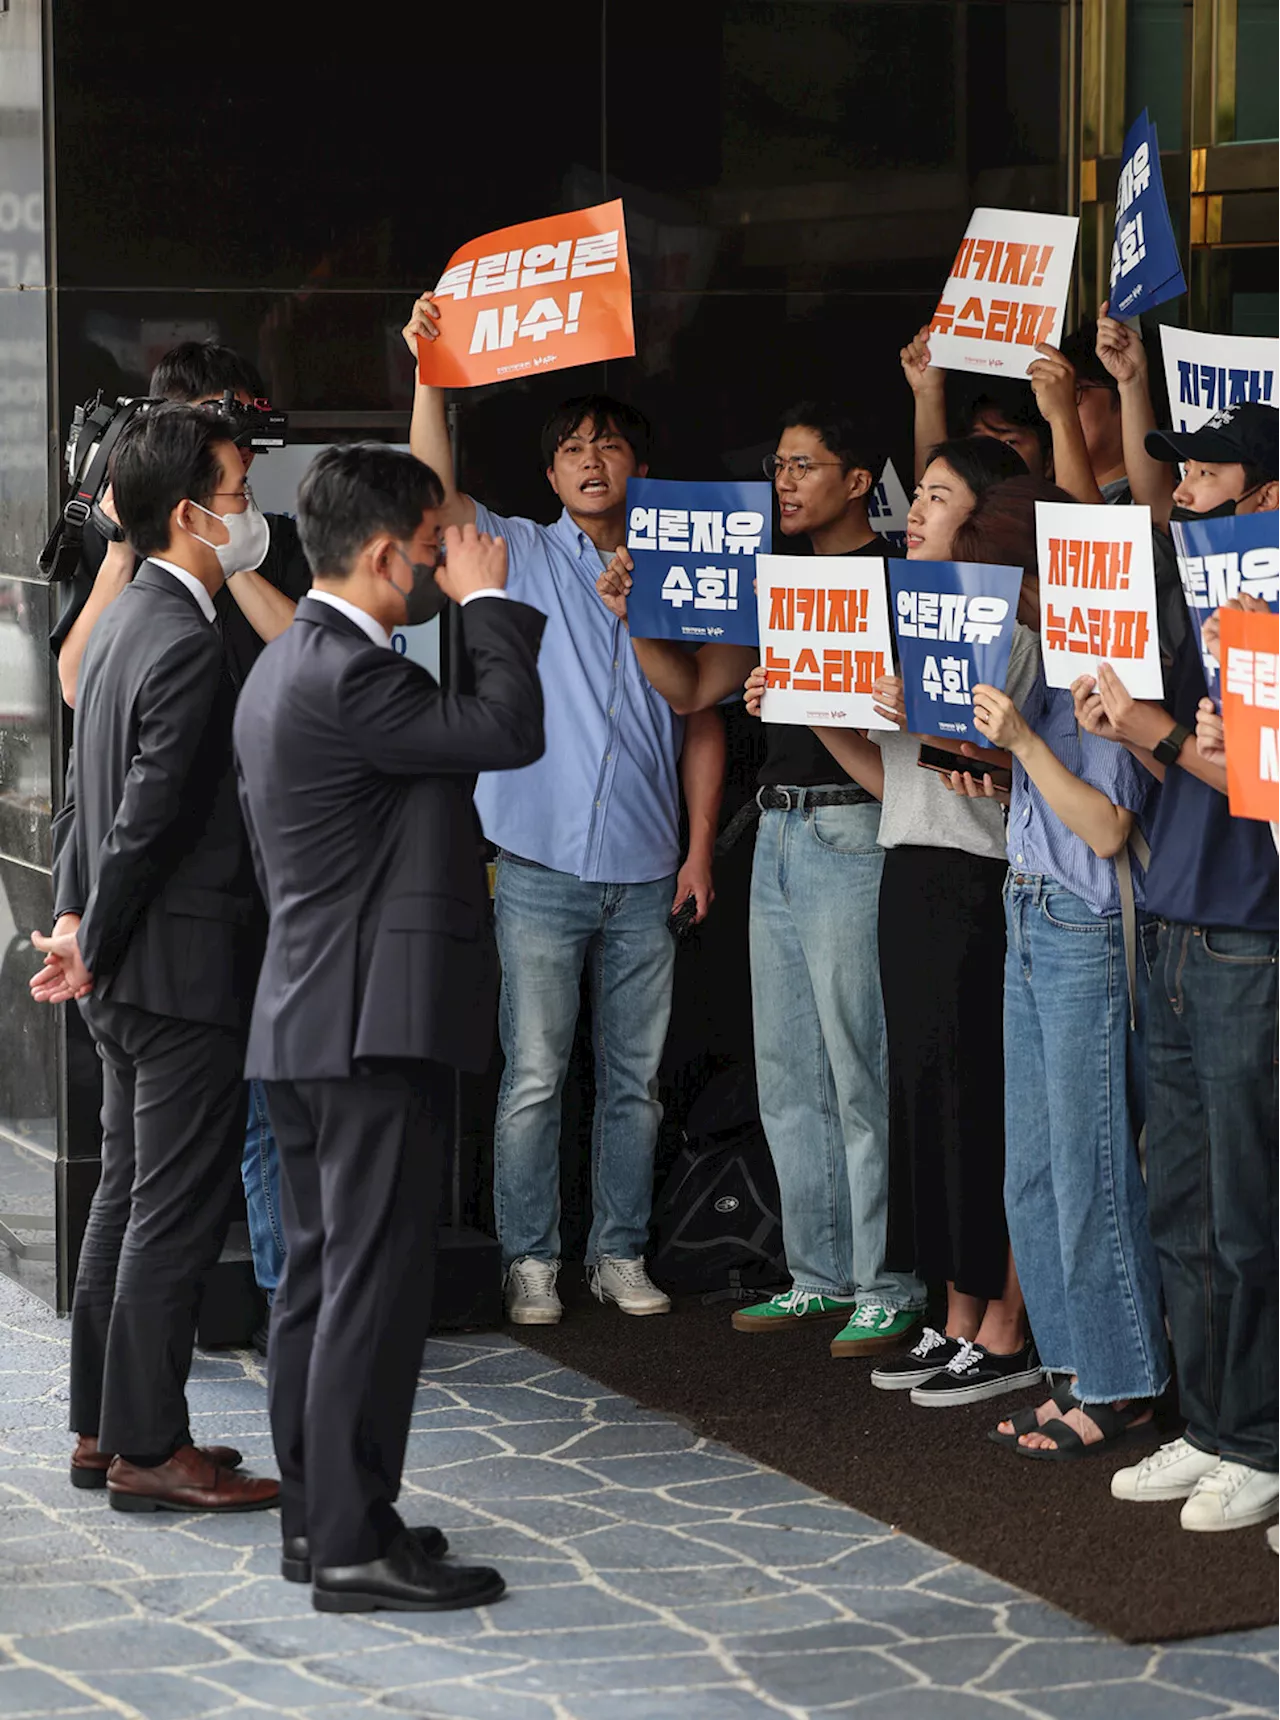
<point x="628" y="1284"/>
<point x="1273" y="1537"/>
<point x="1173" y="1472"/>
<point x="531" y="1292"/>
<point x="1232" y="1496"/>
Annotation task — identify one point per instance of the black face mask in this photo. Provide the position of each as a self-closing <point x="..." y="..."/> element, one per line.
<point x="424" y="599"/>
<point x="1223" y="511"/>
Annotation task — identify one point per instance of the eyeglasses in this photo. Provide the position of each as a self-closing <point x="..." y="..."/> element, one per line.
<point x="244" y="493"/>
<point x="1083" y="387"/>
<point x="796" y="465"/>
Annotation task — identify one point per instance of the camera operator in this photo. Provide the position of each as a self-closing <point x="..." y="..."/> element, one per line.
<point x="257" y="603"/>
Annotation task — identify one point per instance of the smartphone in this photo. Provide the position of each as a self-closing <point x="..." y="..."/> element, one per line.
<point x="680" y="922"/>
<point x="939" y="759"/>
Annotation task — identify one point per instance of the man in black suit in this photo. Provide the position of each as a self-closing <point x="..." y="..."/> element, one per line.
<point x="356" y="774"/>
<point x="158" y="935"/>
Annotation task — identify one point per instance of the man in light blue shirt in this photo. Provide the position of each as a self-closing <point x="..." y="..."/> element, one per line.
<point x="589" y="859"/>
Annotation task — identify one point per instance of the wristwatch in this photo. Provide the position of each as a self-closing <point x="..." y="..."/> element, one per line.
<point x="1166" y="752"/>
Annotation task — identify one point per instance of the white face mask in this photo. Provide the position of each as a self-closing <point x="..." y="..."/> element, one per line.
<point x="249" y="538"/>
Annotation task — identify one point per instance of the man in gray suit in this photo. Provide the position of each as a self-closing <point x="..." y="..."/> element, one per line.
<point x="158" y="935"/>
<point x="356" y="774"/>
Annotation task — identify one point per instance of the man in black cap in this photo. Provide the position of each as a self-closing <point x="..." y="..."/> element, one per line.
<point x="1230" y="463"/>
<point x="1211" y="1015"/>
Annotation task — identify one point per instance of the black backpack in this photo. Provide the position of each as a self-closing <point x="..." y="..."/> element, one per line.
<point x="716" y="1221"/>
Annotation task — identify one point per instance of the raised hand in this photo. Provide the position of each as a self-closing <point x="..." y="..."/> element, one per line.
<point x="1120" y="349"/>
<point x="1211" y="741"/>
<point x="614" y="584"/>
<point x="474" y="561"/>
<point x="1053" y="382"/>
<point x="997" y="717"/>
<point x="753" y="687"/>
<point x="422" y="321"/>
<point x="922" y="377"/>
<point x="888" y="700"/>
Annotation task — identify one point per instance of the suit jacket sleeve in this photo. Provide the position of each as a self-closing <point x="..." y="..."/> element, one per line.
<point x="68" y="880"/>
<point x="140" y="850"/>
<point x="403" y="724"/>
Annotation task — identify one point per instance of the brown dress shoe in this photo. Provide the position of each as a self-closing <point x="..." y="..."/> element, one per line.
<point x="89" y="1466"/>
<point x="188" y="1482"/>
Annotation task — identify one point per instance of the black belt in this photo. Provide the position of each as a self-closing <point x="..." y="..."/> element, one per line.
<point x="772" y="799"/>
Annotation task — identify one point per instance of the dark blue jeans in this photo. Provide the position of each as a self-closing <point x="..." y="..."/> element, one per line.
<point x="260" y="1169"/>
<point x="1211" y="1179"/>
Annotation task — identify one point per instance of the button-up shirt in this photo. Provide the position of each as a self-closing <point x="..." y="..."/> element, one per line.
<point x="191" y="583"/>
<point x="603" y="801"/>
<point x="1039" y="842"/>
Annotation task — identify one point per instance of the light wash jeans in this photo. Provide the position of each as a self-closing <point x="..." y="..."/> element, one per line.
<point x="820" y="1046"/>
<point x="1074" y="1194"/>
<point x="260" y="1169"/>
<point x="548" y="925"/>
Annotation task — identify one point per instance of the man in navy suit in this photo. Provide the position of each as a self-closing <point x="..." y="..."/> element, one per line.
<point x="356" y="775"/>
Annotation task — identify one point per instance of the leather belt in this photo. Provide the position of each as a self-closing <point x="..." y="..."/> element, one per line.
<point x="772" y="799"/>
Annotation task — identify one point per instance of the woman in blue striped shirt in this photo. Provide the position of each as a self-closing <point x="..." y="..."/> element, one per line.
<point x="1074" y="1194"/>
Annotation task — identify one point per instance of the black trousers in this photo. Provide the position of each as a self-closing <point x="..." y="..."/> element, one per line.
<point x="361" y="1163"/>
<point x="173" y="1109"/>
<point x="942" y="950"/>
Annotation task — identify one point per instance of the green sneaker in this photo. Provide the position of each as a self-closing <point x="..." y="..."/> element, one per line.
<point x="788" y="1309"/>
<point x="873" y="1329"/>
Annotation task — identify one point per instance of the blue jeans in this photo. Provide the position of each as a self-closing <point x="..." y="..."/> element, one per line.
<point x="1074" y="1195"/>
<point x="260" y="1168"/>
<point x="820" y="1046"/>
<point x="1211" y="1175"/>
<point x="549" y="924"/>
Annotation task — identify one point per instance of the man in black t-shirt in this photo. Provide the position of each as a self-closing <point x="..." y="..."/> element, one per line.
<point x="819" y="1020"/>
<point x="252" y="607"/>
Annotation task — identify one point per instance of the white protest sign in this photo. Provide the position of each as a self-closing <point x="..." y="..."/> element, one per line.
<point x="1007" y="290"/>
<point x="274" y="480"/>
<point x="1205" y="372"/>
<point x="824" y="638"/>
<point x="887" y="507"/>
<point x="1098" y="595"/>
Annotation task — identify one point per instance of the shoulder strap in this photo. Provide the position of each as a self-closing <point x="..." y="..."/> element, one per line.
<point x="1129" y="910"/>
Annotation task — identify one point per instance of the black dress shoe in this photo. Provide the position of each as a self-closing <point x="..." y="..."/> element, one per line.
<point x="295" y="1561"/>
<point x="403" y="1580"/>
<point x="258" y="1339"/>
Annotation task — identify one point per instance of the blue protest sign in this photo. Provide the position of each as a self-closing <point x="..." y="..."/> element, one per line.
<point x="1145" y="267"/>
<point x="954" y="625"/>
<point x="694" y="547"/>
<point x="1221" y="558"/>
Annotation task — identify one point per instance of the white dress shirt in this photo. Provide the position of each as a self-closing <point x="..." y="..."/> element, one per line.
<point x="364" y="620"/>
<point x="192" y="584"/>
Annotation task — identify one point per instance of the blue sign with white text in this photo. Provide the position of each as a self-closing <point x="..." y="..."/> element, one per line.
<point x="953" y="621"/>
<point x="694" y="547"/>
<point x="1219" y="559"/>
<point x="1145" y="268"/>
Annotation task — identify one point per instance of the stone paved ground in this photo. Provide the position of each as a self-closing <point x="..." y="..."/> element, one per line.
<point x="653" y="1576"/>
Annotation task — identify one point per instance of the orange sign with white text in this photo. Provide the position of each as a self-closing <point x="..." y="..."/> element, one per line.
<point x="1250" y="646"/>
<point x="541" y="296"/>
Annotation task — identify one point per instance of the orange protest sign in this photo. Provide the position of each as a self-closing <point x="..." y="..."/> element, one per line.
<point x="541" y="296"/>
<point x="1250" y="646"/>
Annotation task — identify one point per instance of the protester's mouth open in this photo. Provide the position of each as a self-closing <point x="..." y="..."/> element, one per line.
<point x="593" y="487"/>
<point x="914" y="540"/>
<point x="788" y="508"/>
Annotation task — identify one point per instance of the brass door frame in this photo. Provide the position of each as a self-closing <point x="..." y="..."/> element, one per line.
<point x="1224" y="190"/>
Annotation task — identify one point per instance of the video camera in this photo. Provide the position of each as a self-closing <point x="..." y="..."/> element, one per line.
<point x="96" y="427"/>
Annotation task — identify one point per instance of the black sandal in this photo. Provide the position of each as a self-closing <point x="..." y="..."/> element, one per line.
<point x="1026" y="1420"/>
<point x="1113" y="1424"/>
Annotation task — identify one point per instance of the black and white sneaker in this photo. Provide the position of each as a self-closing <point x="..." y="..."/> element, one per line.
<point x="920" y="1363"/>
<point x="974" y="1373"/>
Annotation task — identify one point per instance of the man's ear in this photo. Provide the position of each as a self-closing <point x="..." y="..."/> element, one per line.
<point x="1268" y="497"/>
<point x="642" y="471"/>
<point x="858" y="482"/>
<point x="381" y="553"/>
<point x="551" y="479"/>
